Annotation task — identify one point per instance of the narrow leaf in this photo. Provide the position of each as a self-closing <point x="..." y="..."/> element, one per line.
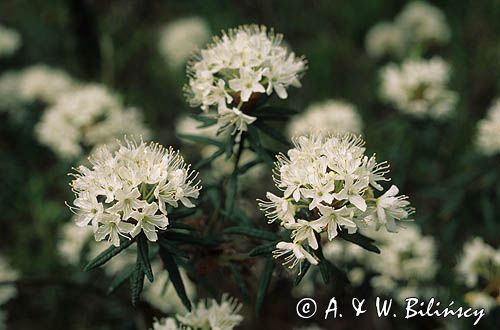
<point x="143" y="255"/>
<point x="204" y="162"/>
<point x="302" y="272"/>
<point x="274" y="133"/>
<point x="251" y="232"/>
<point x="263" y="249"/>
<point x="201" y="139"/>
<point x="238" y="278"/>
<point x="264" y="284"/>
<point x="361" y="240"/>
<point x="107" y="254"/>
<point x="175" y="276"/>
<point x="136" y="283"/>
<point x="231" y="193"/>
<point x="120" y="278"/>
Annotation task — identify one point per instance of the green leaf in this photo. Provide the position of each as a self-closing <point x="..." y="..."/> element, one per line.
<point x="272" y="132"/>
<point x="206" y="121"/>
<point x="201" y="139"/>
<point x="120" y="278"/>
<point x="107" y="254"/>
<point x="304" y="267"/>
<point x="204" y="162"/>
<point x="189" y="237"/>
<point x="251" y="232"/>
<point x="181" y="213"/>
<point x="232" y="188"/>
<point x="324" y="266"/>
<point x="265" y="279"/>
<point x="361" y="240"/>
<point x="137" y="282"/>
<point x="172" y="248"/>
<point x="255" y="145"/>
<point x="276" y="111"/>
<point x="229" y="146"/>
<point x="244" y="168"/>
<point x="175" y="276"/>
<point x="238" y="278"/>
<point x="263" y="249"/>
<point x="143" y="255"/>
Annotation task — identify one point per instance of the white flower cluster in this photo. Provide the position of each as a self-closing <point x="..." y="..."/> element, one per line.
<point x="207" y="315"/>
<point x="126" y="192"/>
<point x="418" y="24"/>
<point x="479" y="268"/>
<point x="236" y="68"/>
<point x="7" y="291"/>
<point x="34" y="83"/>
<point x="409" y="263"/>
<point x="385" y="39"/>
<point x="84" y="118"/>
<point x="329" y="184"/>
<point x="488" y="135"/>
<point x="181" y="37"/>
<point x="10" y="41"/>
<point x="424" y="23"/>
<point x="330" y="116"/>
<point x="419" y="87"/>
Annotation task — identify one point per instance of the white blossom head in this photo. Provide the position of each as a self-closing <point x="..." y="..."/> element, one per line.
<point x="213" y="315"/>
<point x="488" y="131"/>
<point x="126" y="191"/>
<point x="330" y="116"/>
<point x="327" y="184"/>
<point x="7" y="291"/>
<point x="419" y="87"/>
<point x="10" y="41"/>
<point x="409" y="261"/>
<point x="386" y="39"/>
<point x="479" y="269"/>
<point x="180" y="38"/>
<point x="237" y="68"/>
<point x="43" y="83"/>
<point x="84" y="118"/>
<point x="424" y="23"/>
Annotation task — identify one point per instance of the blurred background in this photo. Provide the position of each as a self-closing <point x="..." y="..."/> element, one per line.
<point x="454" y="187"/>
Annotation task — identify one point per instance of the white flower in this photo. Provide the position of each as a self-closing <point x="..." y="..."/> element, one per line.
<point x="10" y="41"/>
<point x="43" y="83"/>
<point x="409" y="260"/>
<point x="479" y="269"/>
<point x="168" y="323"/>
<point x="148" y="221"/>
<point x="234" y="120"/>
<point x="330" y="116"/>
<point x="294" y="254"/>
<point x="278" y="208"/>
<point x="390" y="207"/>
<point x="488" y="131"/>
<point x="124" y="191"/>
<point x="424" y="23"/>
<point x="85" y="117"/>
<point x="386" y="39"/>
<point x="329" y="179"/>
<point x="328" y="183"/>
<point x="239" y="66"/>
<point x="214" y="315"/>
<point x="180" y="38"/>
<point x="7" y="291"/>
<point x="418" y="87"/>
<point x="332" y="218"/>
